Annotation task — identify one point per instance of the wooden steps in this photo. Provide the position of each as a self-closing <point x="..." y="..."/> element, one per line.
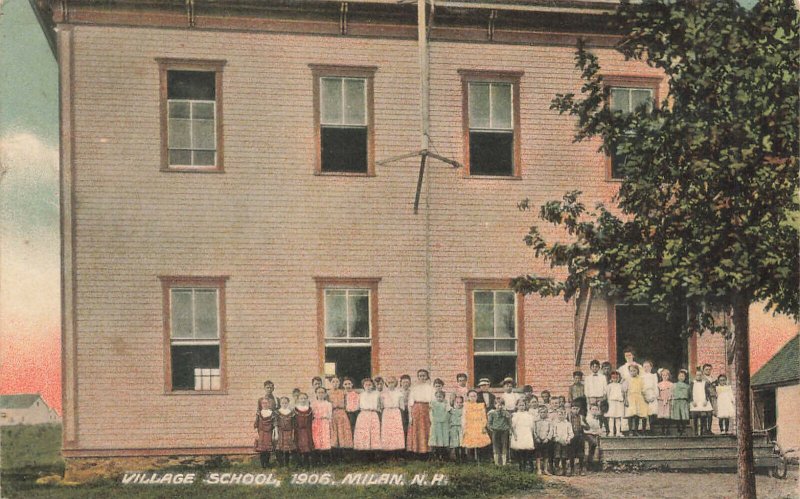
<point x="714" y="452"/>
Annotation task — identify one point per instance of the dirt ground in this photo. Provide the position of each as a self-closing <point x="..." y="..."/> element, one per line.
<point x="666" y="485"/>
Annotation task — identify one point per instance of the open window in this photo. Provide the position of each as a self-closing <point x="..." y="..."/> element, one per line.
<point x="343" y="119"/>
<point x="491" y="123"/>
<point x="627" y="95"/>
<point x="194" y="322"/>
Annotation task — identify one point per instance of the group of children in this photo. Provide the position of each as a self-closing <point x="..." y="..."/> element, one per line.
<point x="424" y="420"/>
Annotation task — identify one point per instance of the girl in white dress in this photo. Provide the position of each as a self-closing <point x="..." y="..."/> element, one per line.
<point x="522" y="435"/>
<point x="616" y="405"/>
<point x="650" y="380"/>
<point x="700" y="404"/>
<point x="725" y="406"/>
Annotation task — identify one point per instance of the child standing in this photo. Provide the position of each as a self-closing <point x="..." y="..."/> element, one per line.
<point x="476" y="435"/>
<point x="303" y="435"/>
<point x="679" y="411"/>
<point x="577" y="393"/>
<point x="440" y="425"/>
<point x="577" y="444"/>
<point x="592" y="434"/>
<point x="367" y="436"/>
<point x="595" y="384"/>
<point x="700" y="408"/>
<point x="725" y="407"/>
<point x="650" y="380"/>
<point x="341" y="430"/>
<point x="456" y="429"/>
<point x="616" y="406"/>
<point x="321" y="428"/>
<point x="392" y="437"/>
<point x="269" y="389"/>
<point x="543" y="432"/>
<point x="563" y="435"/>
<point x="636" y="407"/>
<point x="522" y="435"/>
<point x="285" y="423"/>
<point x="664" y="412"/>
<point x="461" y="388"/>
<point x="265" y="423"/>
<point x="509" y="396"/>
<point x="499" y="424"/>
<point x="405" y="389"/>
<point x="350" y="402"/>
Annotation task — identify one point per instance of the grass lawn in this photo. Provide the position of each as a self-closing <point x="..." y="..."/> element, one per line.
<point x="31" y="452"/>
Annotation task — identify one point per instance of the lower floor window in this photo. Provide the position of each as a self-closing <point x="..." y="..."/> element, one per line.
<point x="354" y="362"/>
<point x="496" y="368"/>
<point x="195" y="367"/>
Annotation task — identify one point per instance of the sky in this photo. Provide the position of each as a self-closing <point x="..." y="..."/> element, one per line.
<point x="29" y="217"/>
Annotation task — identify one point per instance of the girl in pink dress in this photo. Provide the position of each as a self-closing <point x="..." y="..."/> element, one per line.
<point x="367" y="435"/>
<point x="392" y="436"/>
<point x="341" y="431"/>
<point x="665" y="387"/>
<point x="321" y="425"/>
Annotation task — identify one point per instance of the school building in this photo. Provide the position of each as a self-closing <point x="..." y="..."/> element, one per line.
<point x="238" y="184"/>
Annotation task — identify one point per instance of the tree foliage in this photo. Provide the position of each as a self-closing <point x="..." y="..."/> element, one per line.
<point x="706" y="208"/>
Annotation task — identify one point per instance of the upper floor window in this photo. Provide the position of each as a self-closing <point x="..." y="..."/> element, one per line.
<point x="343" y="116"/>
<point x="195" y="310"/>
<point x="191" y="115"/>
<point x="628" y="99"/>
<point x="491" y="123"/>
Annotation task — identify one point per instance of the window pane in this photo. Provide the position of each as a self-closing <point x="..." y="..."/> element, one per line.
<point x="203" y="132"/>
<point x="359" y="316"/>
<point x="181" y="319"/>
<point x="203" y="110"/>
<point x="504" y="321"/>
<point x="179" y="109"/>
<point x="185" y="359"/>
<point x="180" y="134"/>
<point x="355" y="102"/>
<point x="491" y="153"/>
<point x="180" y="157"/>
<point x="501" y="106"/>
<point x="194" y="85"/>
<point x="619" y="100"/>
<point x="331" y="101"/>
<point x="204" y="158"/>
<point x="344" y="149"/>
<point x="484" y="320"/>
<point x="335" y="314"/>
<point x="484" y="345"/>
<point x="505" y="346"/>
<point x="479" y="105"/>
<point x="505" y="297"/>
<point x="205" y="309"/>
<point x="642" y="97"/>
<point x="483" y="297"/>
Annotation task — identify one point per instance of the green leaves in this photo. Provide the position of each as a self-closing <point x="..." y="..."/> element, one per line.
<point x="709" y="207"/>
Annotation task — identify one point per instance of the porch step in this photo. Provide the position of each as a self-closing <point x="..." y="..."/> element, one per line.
<point x="708" y="452"/>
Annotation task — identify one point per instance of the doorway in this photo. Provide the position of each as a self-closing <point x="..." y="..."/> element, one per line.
<point x="652" y="337"/>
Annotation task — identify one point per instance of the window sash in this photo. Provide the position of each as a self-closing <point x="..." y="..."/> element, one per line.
<point x="195" y="131"/>
<point x="343" y="102"/>
<point x="627" y="99"/>
<point x="348" y="295"/>
<point x="491" y="106"/>
<point x="499" y="303"/>
<point x="194" y="333"/>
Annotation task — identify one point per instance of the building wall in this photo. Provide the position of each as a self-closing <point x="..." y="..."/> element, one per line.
<point x="272" y="226"/>
<point x="787" y="400"/>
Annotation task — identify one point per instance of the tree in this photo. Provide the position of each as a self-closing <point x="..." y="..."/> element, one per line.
<point x="704" y="216"/>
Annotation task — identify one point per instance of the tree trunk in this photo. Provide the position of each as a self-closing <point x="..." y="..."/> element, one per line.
<point x="745" y="470"/>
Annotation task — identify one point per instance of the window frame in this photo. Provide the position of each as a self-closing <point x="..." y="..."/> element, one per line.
<point x="319" y="71"/>
<point x="168" y="283"/>
<point x="368" y="283"/>
<point x="484" y="76"/>
<point x="216" y="66"/>
<point x="611" y="81"/>
<point x="471" y="285"/>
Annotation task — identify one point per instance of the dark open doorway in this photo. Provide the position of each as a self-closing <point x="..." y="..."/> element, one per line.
<point x="652" y="338"/>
